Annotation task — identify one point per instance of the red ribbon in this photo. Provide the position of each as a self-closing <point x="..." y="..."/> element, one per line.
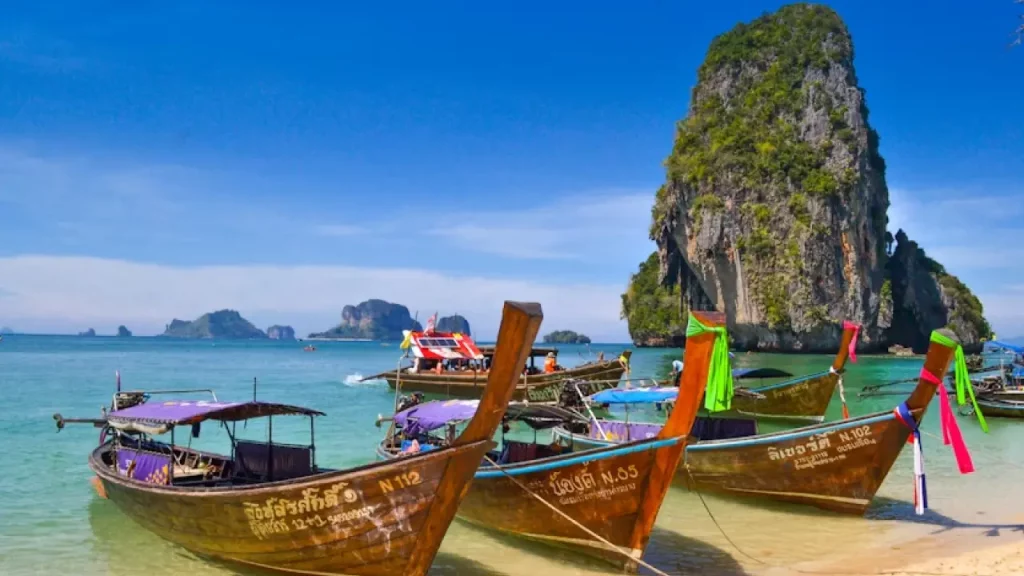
<point x="951" y="435"/>
<point x="847" y="325"/>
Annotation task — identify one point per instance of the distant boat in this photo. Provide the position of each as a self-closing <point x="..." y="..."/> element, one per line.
<point x="310" y="348"/>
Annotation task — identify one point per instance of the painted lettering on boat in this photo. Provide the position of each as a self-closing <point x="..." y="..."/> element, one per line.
<point x="582" y="486"/>
<point x="620" y="475"/>
<point x="406" y="480"/>
<point x="819" y="449"/>
<point x="579" y="482"/>
<point x="545" y="393"/>
<point x="274" y="514"/>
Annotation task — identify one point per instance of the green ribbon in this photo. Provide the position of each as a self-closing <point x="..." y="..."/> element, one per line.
<point x="963" y="379"/>
<point x="718" y="393"/>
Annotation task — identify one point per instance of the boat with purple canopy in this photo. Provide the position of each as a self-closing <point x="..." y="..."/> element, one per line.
<point x="271" y="505"/>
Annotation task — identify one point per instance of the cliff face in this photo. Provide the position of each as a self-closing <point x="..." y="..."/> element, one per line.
<point x="775" y="200"/>
<point x="276" y="332"/>
<point x="373" y="319"/>
<point x="455" y="323"/>
<point x="926" y="297"/>
<point x="227" y="324"/>
<point x="89" y="333"/>
<point x="774" y="206"/>
<point x="123" y="332"/>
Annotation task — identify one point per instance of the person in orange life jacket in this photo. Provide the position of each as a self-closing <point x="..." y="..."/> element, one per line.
<point x="550" y="364"/>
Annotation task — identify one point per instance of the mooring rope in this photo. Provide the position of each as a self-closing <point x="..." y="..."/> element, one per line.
<point x="593" y="535"/>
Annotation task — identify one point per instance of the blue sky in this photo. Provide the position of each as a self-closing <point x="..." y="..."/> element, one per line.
<point x="161" y="161"/>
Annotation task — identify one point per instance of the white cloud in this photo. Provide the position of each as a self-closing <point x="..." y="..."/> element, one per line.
<point x="568" y="228"/>
<point x="65" y="294"/>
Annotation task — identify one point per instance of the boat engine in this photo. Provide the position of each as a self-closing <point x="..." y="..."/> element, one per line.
<point x="405" y="402"/>
<point x="570" y="398"/>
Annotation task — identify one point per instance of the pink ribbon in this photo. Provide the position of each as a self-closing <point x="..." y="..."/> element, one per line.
<point x="847" y="325"/>
<point x="951" y="434"/>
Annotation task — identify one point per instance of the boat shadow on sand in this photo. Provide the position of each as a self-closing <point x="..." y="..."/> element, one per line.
<point x="892" y="510"/>
<point x="882" y="509"/>
<point x="667" y="551"/>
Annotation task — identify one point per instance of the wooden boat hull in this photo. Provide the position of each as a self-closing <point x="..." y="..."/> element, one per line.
<point x="1001" y="408"/>
<point x="381" y="519"/>
<point x="607" y="490"/>
<point x="535" y="388"/>
<point x="837" y="467"/>
<point x="804" y="398"/>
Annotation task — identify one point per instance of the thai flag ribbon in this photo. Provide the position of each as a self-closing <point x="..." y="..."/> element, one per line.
<point x="951" y="435"/>
<point x="847" y="325"/>
<point x="920" y="488"/>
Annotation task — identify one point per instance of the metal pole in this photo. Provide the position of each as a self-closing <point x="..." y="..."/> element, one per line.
<point x="589" y="411"/>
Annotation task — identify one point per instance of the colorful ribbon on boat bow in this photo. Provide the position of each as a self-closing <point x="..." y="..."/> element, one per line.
<point x="951" y="435"/>
<point x="963" y="379"/>
<point x="904" y="415"/>
<point x="852" y="350"/>
<point x="719" y="390"/>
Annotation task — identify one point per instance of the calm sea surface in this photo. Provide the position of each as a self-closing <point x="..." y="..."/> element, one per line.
<point x="52" y="523"/>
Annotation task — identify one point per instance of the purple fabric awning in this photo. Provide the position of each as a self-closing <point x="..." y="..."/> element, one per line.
<point x="190" y="411"/>
<point x="434" y="415"/>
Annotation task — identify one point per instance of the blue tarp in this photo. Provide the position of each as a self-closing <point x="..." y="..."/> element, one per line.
<point x="636" y="395"/>
<point x="1011" y="347"/>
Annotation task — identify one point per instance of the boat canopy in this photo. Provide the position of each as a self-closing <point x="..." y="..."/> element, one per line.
<point x="748" y="373"/>
<point x="437" y="414"/>
<point x="435" y="345"/>
<point x="159" y="417"/>
<point x="535" y="352"/>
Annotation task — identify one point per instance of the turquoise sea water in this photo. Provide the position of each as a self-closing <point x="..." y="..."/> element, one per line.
<point x="51" y="522"/>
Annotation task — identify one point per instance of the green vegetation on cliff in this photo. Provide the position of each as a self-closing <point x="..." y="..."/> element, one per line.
<point x="566" y="337"/>
<point x="775" y="127"/>
<point x="654" y="312"/>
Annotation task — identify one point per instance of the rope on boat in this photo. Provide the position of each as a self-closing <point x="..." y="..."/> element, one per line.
<point x="593" y="535"/>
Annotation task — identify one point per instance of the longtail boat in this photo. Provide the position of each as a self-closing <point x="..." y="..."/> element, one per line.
<point x="1001" y="408"/>
<point x="837" y="466"/>
<point x="453" y="366"/>
<point x="602" y="502"/>
<point x="805" y="398"/>
<point x="270" y="505"/>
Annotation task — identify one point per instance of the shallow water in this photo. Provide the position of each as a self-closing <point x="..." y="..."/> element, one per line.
<point x="51" y="522"/>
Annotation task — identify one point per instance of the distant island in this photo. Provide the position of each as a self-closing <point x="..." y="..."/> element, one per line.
<point x="88" y="333"/>
<point x="566" y="337"/>
<point x="227" y="324"/>
<point x="371" y="320"/>
<point x="454" y="324"/>
<point x="6" y="330"/>
<point x="123" y="332"/>
<point x="276" y="332"/>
